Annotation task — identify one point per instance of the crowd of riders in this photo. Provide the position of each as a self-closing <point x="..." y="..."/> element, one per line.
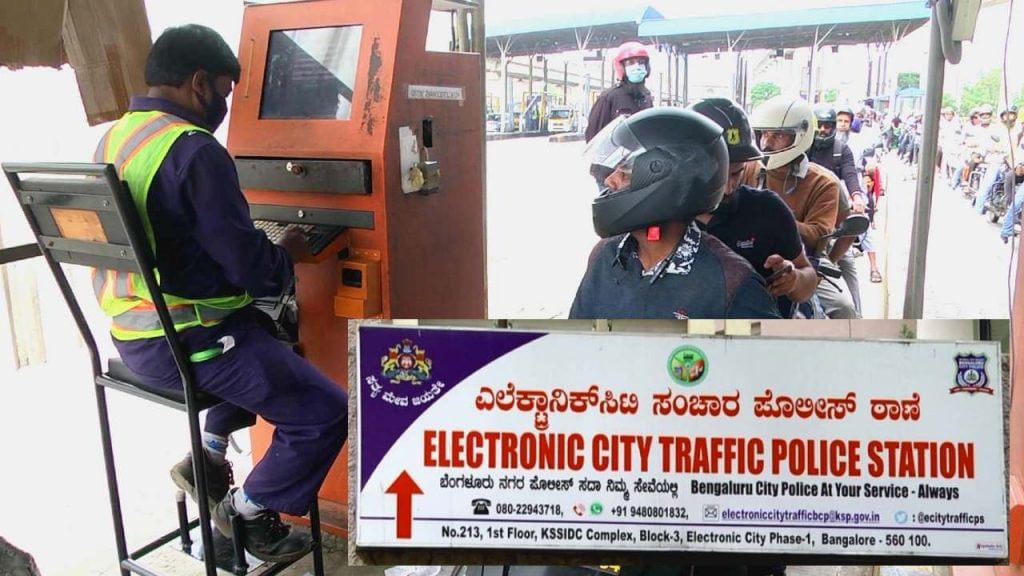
<point x="982" y="157"/>
<point x="714" y="212"/>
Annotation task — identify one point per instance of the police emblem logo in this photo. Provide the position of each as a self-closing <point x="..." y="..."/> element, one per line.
<point x="970" y="374"/>
<point x="732" y="136"/>
<point x="406" y="362"/>
<point x="687" y="365"/>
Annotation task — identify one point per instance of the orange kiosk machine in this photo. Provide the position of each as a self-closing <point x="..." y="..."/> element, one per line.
<point x="345" y="124"/>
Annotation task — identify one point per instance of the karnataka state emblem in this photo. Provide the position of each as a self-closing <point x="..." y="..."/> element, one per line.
<point x="687" y="365"/>
<point x="406" y="362"/>
<point x="732" y="136"/>
<point x="970" y="374"/>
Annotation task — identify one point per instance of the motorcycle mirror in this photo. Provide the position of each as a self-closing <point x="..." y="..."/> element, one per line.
<point x="854" y="225"/>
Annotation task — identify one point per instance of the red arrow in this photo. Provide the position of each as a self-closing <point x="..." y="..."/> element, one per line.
<point x="403" y="488"/>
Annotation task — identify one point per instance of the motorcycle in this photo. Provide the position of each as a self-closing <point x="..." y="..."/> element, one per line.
<point x="978" y="168"/>
<point x="853" y="225"/>
<point x="997" y="204"/>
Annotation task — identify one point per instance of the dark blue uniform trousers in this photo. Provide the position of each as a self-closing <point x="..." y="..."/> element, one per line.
<point x="260" y="375"/>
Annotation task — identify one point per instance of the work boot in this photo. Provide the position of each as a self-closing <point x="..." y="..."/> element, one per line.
<point x="219" y="479"/>
<point x="266" y="536"/>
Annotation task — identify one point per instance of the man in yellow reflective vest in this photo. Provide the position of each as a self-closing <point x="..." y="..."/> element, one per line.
<point x="211" y="263"/>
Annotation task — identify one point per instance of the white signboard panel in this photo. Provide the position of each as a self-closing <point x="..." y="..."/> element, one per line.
<point x="529" y="440"/>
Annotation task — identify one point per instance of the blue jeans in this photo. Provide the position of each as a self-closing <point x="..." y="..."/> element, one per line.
<point x="992" y="178"/>
<point x="1013" y="212"/>
<point x="260" y="375"/>
<point x="958" y="176"/>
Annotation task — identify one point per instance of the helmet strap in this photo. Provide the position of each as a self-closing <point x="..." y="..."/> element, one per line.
<point x="653" y="233"/>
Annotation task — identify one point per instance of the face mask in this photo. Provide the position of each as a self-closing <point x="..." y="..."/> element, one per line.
<point x="215" y="110"/>
<point x="636" y="73"/>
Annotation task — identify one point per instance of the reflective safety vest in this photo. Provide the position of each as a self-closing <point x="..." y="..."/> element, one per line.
<point x="136" y="145"/>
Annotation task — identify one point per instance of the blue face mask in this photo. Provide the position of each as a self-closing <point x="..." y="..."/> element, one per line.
<point x="636" y="73"/>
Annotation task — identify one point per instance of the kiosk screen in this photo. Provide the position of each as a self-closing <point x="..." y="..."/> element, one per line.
<point x="310" y="73"/>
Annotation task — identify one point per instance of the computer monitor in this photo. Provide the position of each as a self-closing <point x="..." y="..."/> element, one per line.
<point x="310" y="73"/>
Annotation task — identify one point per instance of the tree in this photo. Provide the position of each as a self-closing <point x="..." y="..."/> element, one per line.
<point x="831" y="95"/>
<point x="908" y="80"/>
<point x="948" y="101"/>
<point x="984" y="91"/>
<point x="763" y="91"/>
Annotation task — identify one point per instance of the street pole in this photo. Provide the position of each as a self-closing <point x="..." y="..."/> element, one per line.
<point x="871" y="62"/>
<point x="668" y="64"/>
<point x="565" y="82"/>
<point x="676" y="59"/>
<point x="686" y="79"/>
<point x="913" y="304"/>
<point x="810" y="68"/>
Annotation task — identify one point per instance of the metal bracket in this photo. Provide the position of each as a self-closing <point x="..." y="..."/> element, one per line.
<point x="942" y="15"/>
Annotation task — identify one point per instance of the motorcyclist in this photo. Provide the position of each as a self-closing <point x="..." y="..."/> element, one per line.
<point x="785" y="129"/>
<point x="756" y="224"/>
<point x="656" y="171"/>
<point x="830" y="151"/>
<point x="992" y="141"/>
<point x="1014" y="206"/>
<point x="630" y="95"/>
<point x="950" y="141"/>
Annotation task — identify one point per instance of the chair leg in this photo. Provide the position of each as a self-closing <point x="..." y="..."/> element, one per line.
<point x="186" y="539"/>
<point x="199" y="472"/>
<point x="108" y="462"/>
<point x="318" y="543"/>
<point x="241" y="567"/>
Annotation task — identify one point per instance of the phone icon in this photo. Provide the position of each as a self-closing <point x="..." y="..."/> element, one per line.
<point x="481" y="506"/>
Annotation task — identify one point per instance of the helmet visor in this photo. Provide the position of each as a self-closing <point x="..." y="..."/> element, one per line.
<point x="612" y="150"/>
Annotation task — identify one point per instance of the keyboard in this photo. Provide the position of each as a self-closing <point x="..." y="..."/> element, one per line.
<point x="318" y="236"/>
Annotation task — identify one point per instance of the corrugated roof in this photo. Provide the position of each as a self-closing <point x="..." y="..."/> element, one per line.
<point x="856" y="14"/>
<point x="569" y="21"/>
<point x="850" y="24"/>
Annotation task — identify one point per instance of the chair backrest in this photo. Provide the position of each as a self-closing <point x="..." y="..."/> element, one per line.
<point x="80" y="213"/>
<point x="84" y="214"/>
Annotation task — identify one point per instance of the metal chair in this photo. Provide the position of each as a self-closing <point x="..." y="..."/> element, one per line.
<point x="83" y="214"/>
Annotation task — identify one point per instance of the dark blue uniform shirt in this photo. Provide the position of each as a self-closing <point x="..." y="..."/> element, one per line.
<point x="701" y="279"/>
<point x="206" y="245"/>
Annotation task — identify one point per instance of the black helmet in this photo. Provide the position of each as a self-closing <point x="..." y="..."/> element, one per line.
<point x="826" y="115"/>
<point x="678" y="164"/>
<point x="738" y="135"/>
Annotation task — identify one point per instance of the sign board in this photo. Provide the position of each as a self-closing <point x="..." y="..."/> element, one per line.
<point x="529" y="440"/>
<point x="420" y="92"/>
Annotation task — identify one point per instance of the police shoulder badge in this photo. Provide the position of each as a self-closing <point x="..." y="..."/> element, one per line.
<point x="970" y="374"/>
<point x="406" y="362"/>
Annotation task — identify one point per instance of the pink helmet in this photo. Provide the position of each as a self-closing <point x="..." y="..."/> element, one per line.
<point x="630" y="50"/>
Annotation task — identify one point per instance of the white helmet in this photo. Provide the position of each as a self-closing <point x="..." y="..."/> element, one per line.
<point x="782" y="114"/>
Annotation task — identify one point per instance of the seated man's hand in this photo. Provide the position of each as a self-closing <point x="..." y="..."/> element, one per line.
<point x="785" y="282"/>
<point x="295" y="244"/>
